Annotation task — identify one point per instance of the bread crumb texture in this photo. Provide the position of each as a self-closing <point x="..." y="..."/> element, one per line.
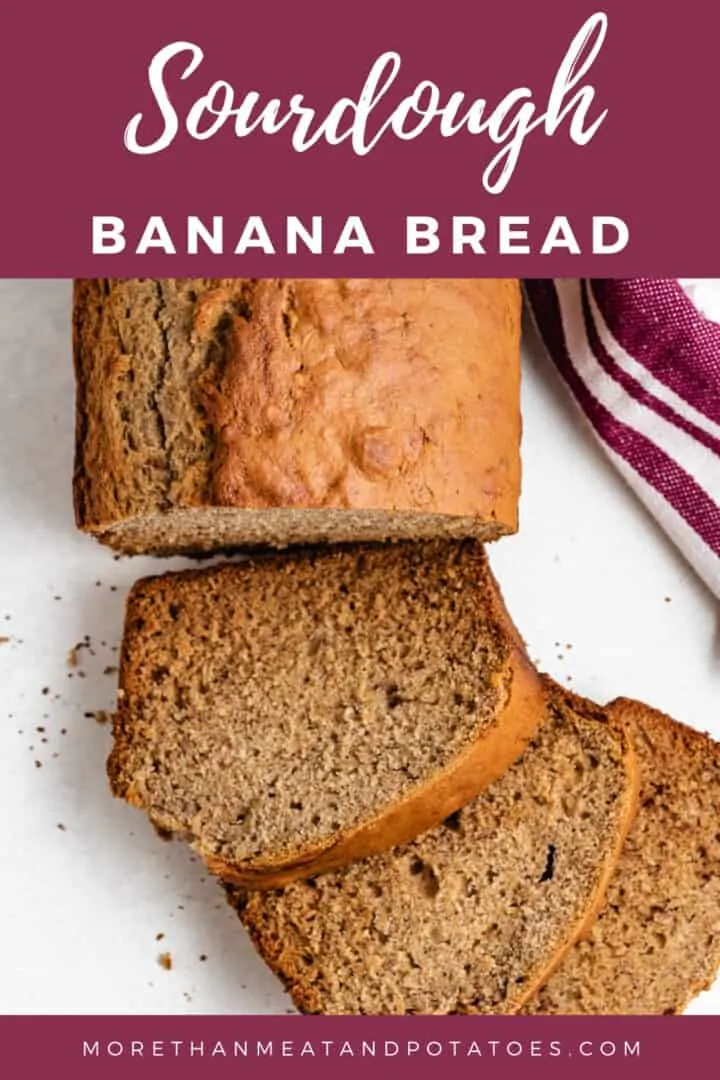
<point x="472" y="915"/>
<point x="267" y="707"/>
<point x="656" y="943"/>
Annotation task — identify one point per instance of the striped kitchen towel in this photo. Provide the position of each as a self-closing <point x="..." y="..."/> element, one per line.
<point x="642" y="359"/>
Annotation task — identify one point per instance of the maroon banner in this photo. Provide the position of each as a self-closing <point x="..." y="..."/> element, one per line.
<point x="576" y="1048"/>
<point x="394" y="139"/>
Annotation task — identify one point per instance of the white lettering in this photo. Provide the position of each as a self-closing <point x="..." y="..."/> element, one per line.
<point x="107" y="235"/>
<point x="421" y="235"/>
<point x="295" y="230"/>
<point x="155" y="235"/>
<point x="560" y="235"/>
<point x="211" y="238"/>
<point x="254" y="235"/>
<point x="506" y="124"/>
<point x="511" y="235"/>
<point x="353" y="235"/>
<point x="156" y="73"/>
<point x="603" y="246"/>
<point x="468" y="232"/>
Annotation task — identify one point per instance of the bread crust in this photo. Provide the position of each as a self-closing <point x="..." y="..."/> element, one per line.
<point x="399" y="396"/>
<point x="629" y="810"/>
<point x="522" y="696"/>
<point x="424" y="806"/>
<point x="290" y="969"/>
<point x="689" y="748"/>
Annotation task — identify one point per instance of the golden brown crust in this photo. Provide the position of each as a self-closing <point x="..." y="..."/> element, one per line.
<point x="523" y="697"/>
<point x="382" y="395"/>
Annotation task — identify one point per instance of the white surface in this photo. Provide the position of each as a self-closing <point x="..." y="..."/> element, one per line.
<point x="80" y="908"/>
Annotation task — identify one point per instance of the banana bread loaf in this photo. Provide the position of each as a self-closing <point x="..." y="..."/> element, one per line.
<point x="299" y="711"/>
<point x="217" y="414"/>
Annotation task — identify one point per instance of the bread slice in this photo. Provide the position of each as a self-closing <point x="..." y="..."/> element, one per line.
<point x="656" y="943"/>
<point x="224" y="413"/>
<point x="473" y="915"/>
<point x="297" y="712"/>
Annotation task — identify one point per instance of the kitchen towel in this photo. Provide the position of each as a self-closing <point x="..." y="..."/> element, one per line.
<point x="642" y="359"/>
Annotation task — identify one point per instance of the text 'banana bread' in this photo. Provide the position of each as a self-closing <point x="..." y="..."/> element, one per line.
<point x="224" y="413"/>
<point x="299" y="711"/>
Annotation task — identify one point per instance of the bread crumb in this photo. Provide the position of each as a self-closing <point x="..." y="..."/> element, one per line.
<point x="165" y="961"/>
<point x="46" y="690"/>
<point x="159" y="936"/>
<point x="203" y="957"/>
<point x="101" y="717"/>
<point x="668" y="599"/>
<point x="61" y="827"/>
<point x="4" y="640"/>
<point x="74" y="655"/>
<point x="38" y="764"/>
<point x="110" y="669"/>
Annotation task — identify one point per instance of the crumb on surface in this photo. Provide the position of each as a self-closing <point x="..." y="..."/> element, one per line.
<point x="101" y="716"/>
<point x="74" y="655"/>
<point x="203" y="957"/>
<point x="38" y="764"/>
<point x="110" y="669"/>
<point x="46" y="690"/>
<point x="668" y="599"/>
<point x="165" y="961"/>
<point x="4" y="640"/>
<point x="159" y="936"/>
<point x="61" y="827"/>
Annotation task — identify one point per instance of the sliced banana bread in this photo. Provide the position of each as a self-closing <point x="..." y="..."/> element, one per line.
<point x="656" y="943"/>
<point x="474" y="914"/>
<point x="296" y="712"/>
<point x="224" y="413"/>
